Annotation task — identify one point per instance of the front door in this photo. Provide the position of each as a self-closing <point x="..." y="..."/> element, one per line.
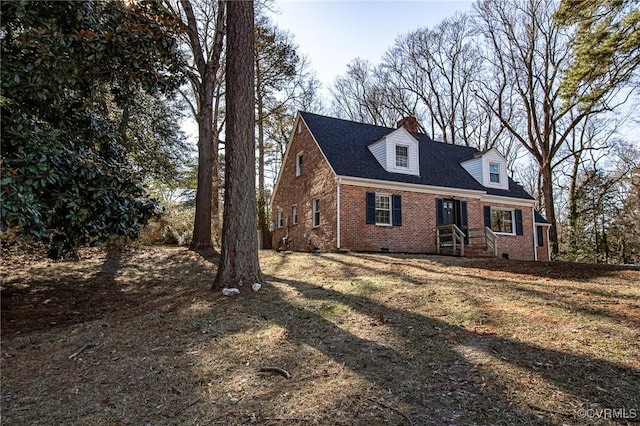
<point x="448" y="212"/>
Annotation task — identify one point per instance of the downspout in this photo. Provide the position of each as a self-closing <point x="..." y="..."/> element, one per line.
<point x="338" y="214"/>
<point x="548" y="245"/>
<point x="535" y="234"/>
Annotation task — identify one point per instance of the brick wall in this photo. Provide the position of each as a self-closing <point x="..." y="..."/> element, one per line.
<point x="519" y="247"/>
<point x="543" y="251"/>
<point x="418" y="231"/>
<point x="416" y="235"/>
<point x="316" y="182"/>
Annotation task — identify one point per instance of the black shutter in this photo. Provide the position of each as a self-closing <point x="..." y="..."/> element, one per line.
<point x="397" y="210"/>
<point x="371" y="207"/>
<point x="464" y="224"/>
<point x="540" y="236"/>
<point x="487" y="216"/>
<point x="439" y="211"/>
<point x="518" y="222"/>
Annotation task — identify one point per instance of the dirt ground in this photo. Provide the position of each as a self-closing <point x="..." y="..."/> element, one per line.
<point x="138" y="338"/>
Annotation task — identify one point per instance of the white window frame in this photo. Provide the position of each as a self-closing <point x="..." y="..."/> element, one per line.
<point x="280" y="219"/>
<point x="294" y="215"/>
<point x="406" y="166"/>
<point x="315" y="210"/>
<point x="497" y="174"/>
<point x="381" y="209"/>
<point x="299" y="164"/>
<point x="513" y="221"/>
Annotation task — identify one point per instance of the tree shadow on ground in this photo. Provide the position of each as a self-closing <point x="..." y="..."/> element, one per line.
<point x="571" y="271"/>
<point x="56" y="294"/>
<point x="620" y="307"/>
<point x="172" y="356"/>
<point x="431" y="368"/>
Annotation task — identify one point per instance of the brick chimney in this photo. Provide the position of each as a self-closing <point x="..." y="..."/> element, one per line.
<point x="410" y="123"/>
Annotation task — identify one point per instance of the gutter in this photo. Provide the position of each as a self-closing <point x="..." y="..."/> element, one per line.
<point x="338" y="181"/>
<point x="535" y="234"/>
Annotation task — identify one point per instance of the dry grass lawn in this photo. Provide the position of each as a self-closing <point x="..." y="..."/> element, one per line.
<point x="138" y="338"/>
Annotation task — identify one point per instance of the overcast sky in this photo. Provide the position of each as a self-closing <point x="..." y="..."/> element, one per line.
<point x="333" y="33"/>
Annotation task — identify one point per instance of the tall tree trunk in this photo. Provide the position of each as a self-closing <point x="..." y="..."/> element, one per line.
<point x="573" y="206"/>
<point x="202" y="222"/>
<point x="216" y="226"/>
<point x="207" y="62"/>
<point x="549" y="207"/>
<point x="262" y="199"/>
<point x="239" y="255"/>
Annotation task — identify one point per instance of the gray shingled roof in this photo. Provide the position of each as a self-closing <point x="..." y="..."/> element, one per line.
<point x="345" y="144"/>
<point x="540" y="219"/>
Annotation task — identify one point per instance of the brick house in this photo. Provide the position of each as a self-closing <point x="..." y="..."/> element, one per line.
<point x="351" y="186"/>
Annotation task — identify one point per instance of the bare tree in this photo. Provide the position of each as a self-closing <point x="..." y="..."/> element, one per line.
<point x="530" y="52"/>
<point x="204" y="30"/>
<point x="359" y="96"/>
<point x="276" y="63"/>
<point x="239" y="255"/>
<point x="436" y="72"/>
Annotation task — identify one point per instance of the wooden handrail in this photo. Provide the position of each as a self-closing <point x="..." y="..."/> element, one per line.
<point x="456" y="234"/>
<point x="492" y="240"/>
<point x="453" y="235"/>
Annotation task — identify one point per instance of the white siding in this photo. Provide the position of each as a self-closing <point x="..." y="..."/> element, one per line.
<point x="379" y="151"/>
<point x="384" y="151"/>
<point x="474" y="167"/>
<point x="403" y="138"/>
<point x="492" y="156"/>
<point x="479" y="169"/>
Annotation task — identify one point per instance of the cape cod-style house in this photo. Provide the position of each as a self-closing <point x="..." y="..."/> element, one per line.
<point x="352" y="186"/>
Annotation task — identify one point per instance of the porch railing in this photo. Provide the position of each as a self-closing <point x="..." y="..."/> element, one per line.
<point x="491" y="240"/>
<point x="450" y="235"/>
<point x="484" y="236"/>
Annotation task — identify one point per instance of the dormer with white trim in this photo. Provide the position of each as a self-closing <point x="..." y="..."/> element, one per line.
<point x="489" y="168"/>
<point x="398" y="152"/>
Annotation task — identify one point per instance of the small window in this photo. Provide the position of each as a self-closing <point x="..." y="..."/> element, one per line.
<point x="294" y="215"/>
<point x="402" y="156"/>
<point x="280" y="220"/>
<point x="383" y="209"/>
<point x="299" y="128"/>
<point x="316" y="213"/>
<point x="299" y="161"/>
<point x="540" y="236"/>
<point x="494" y="172"/>
<point x="502" y="221"/>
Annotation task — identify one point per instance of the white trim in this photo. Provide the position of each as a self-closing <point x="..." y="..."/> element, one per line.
<point x="548" y="243"/>
<point x="315" y="202"/>
<point x="299" y="155"/>
<point x="411" y="187"/>
<point x="405" y="146"/>
<point x="513" y="232"/>
<point x="338" y="214"/>
<point x="390" y="197"/>
<point x="436" y="190"/>
<point x="535" y="234"/>
<point x="520" y="202"/>
<point x="493" y="163"/>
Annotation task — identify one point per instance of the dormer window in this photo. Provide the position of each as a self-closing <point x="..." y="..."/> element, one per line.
<point x="398" y="152"/>
<point x="402" y="156"/>
<point x="489" y="168"/>
<point x="494" y="172"/>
